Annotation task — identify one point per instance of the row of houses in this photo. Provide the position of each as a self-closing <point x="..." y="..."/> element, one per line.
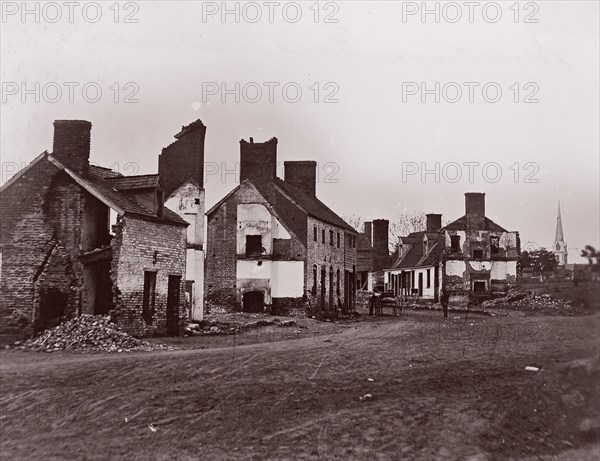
<point x="80" y="238"/>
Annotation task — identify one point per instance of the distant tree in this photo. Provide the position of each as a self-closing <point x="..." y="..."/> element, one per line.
<point x="402" y="225"/>
<point x="590" y="253"/>
<point x="355" y="221"/>
<point x="539" y="260"/>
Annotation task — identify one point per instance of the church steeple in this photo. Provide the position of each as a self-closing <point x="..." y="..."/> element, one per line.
<point x="559" y="230"/>
<point x="560" y="247"/>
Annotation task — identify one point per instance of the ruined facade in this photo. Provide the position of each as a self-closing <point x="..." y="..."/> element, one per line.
<point x="181" y="169"/>
<point x="364" y="256"/>
<point x="417" y="271"/>
<point x="273" y="245"/>
<point x="77" y="238"/>
<point x="479" y="256"/>
<point x="381" y="258"/>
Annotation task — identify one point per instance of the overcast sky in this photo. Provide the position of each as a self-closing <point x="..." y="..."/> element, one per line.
<point x="375" y="135"/>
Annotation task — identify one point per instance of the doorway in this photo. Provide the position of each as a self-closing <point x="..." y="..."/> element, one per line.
<point x="173" y="299"/>
<point x="253" y="301"/>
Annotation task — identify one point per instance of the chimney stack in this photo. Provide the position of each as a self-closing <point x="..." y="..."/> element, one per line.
<point x="183" y="159"/>
<point x="369" y="231"/>
<point x="302" y="174"/>
<point x="475" y="210"/>
<point x="434" y="222"/>
<point x="381" y="248"/>
<point x="71" y="145"/>
<point x="258" y="160"/>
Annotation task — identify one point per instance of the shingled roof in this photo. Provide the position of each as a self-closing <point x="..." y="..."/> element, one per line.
<point x="280" y="194"/>
<point x="312" y="205"/>
<point x="415" y="258"/>
<point x="146" y="181"/>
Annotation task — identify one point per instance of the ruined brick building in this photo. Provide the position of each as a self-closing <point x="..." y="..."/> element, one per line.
<point x="480" y="257"/>
<point x="471" y="257"/>
<point x="77" y="238"/>
<point x="271" y="243"/>
<point x="364" y="256"/>
<point x="181" y="170"/>
<point x="377" y="233"/>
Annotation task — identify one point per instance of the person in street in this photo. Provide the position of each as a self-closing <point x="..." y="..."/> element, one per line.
<point x="444" y="301"/>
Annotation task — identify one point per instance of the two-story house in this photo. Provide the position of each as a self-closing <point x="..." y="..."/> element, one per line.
<point x="272" y="244"/>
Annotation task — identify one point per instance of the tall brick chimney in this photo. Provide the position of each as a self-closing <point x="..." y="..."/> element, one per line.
<point x="71" y="145"/>
<point x="258" y="161"/>
<point x="381" y="248"/>
<point x="183" y="159"/>
<point x="434" y="222"/>
<point x="369" y="231"/>
<point x="475" y="210"/>
<point x="302" y="174"/>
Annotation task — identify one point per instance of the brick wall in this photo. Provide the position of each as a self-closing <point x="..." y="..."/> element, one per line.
<point x="323" y="254"/>
<point x="134" y="247"/>
<point x="28" y="245"/>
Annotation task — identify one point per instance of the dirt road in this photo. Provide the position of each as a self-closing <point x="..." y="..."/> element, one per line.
<point x="440" y="389"/>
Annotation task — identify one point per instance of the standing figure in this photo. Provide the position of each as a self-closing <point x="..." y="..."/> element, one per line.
<point x="444" y="300"/>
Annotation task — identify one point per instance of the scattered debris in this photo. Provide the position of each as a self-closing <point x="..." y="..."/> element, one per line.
<point x="366" y="397"/>
<point x="528" y="368"/>
<point x="531" y="302"/>
<point x="370" y="379"/>
<point x="151" y="427"/>
<point x="88" y="333"/>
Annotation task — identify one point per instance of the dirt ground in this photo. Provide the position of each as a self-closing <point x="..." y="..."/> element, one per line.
<point x="439" y="389"/>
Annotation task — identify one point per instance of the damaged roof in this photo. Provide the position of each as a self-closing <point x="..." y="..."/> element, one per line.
<point x="98" y="184"/>
<point x="461" y="224"/>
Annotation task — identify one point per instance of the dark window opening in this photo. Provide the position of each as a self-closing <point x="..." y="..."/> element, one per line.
<point x="149" y="299"/>
<point x="478" y="254"/>
<point x="315" y="238"/>
<point x="323" y="236"/>
<point x="253" y="245"/>
<point x="314" y="287"/>
<point x="338" y="282"/>
<point x="338" y="239"/>
<point x="331" y="237"/>
<point x="494" y="245"/>
<point x="455" y="243"/>
<point x="478" y="287"/>
<point x="428" y="278"/>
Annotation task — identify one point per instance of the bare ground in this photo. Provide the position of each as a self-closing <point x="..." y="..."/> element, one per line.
<point x="441" y="389"/>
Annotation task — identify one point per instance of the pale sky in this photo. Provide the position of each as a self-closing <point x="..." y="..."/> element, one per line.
<point x="371" y="134"/>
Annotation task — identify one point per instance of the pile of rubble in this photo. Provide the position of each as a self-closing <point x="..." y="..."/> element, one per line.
<point x="233" y="324"/>
<point x="530" y="301"/>
<point x="87" y="333"/>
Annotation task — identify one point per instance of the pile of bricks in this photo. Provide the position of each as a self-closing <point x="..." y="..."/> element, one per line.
<point x="87" y="333"/>
<point x="531" y="302"/>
